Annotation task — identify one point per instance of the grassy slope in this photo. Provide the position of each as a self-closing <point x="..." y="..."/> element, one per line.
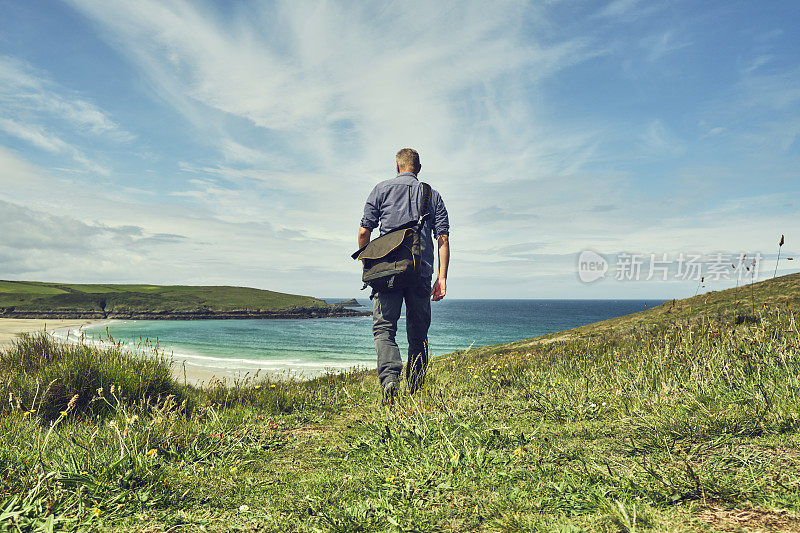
<point x="725" y="305"/>
<point x="38" y="296"/>
<point x="659" y="421"/>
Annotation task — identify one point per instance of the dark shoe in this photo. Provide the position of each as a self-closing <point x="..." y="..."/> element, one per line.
<point x="389" y="392"/>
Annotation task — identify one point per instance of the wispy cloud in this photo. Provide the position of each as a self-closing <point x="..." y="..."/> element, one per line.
<point x="340" y="81"/>
<point x="261" y="127"/>
<point x="40" y="138"/>
<point x="658" y="140"/>
<point x="25" y="91"/>
<point x="29" y="100"/>
<point x="663" y="44"/>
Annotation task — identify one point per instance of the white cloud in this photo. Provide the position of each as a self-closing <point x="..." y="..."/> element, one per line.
<point x="663" y="44"/>
<point x="300" y="107"/>
<point x="44" y="140"/>
<point x="617" y="8"/>
<point x="28" y="99"/>
<point x="344" y="82"/>
<point x="34" y="135"/>
<point x="23" y="90"/>
<point x="659" y="140"/>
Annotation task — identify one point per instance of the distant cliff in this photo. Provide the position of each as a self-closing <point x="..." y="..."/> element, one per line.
<point x="24" y="299"/>
<point x="352" y="302"/>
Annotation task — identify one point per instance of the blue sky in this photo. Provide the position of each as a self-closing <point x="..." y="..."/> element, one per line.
<point x="167" y="141"/>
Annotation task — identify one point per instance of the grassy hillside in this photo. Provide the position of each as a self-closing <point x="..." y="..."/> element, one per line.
<point x="736" y="305"/>
<point x="687" y="420"/>
<point x="27" y="296"/>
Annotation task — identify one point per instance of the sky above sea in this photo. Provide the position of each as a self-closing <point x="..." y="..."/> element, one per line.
<point x="235" y="142"/>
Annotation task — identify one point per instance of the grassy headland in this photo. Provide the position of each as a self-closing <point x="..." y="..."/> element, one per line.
<point x="31" y="299"/>
<point x="685" y="417"/>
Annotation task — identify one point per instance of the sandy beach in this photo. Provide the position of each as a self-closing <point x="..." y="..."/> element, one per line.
<point x="11" y="327"/>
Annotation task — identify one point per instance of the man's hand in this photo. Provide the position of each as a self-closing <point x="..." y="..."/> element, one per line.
<point x="439" y="289"/>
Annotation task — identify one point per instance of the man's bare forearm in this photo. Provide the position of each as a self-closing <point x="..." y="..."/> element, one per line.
<point x="363" y="237"/>
<point x="444" y="255"/>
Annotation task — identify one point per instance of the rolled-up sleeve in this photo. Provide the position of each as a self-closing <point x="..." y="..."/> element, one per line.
<point x="441" y="222"/>
<point x="372" y="212"/>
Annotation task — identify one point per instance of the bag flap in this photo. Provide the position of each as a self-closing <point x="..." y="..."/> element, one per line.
<point x="384" y="244"/>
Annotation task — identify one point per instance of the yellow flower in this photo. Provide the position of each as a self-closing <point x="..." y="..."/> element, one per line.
<point x="97" y="512"/>
<point x="389" y="479"/>
<point x="63" y="413"/>
<point x="257" y="387"/>
<point x="272" y="386"/>
<point x="152" y="452"/>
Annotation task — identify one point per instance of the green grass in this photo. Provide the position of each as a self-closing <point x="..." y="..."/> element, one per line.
<point x="44" y="297"/>
<point x="25" y="287"/>
<point x="653" y="422"/>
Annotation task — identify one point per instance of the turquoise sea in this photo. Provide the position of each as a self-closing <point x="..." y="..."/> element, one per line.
<point x="308" y="347"/>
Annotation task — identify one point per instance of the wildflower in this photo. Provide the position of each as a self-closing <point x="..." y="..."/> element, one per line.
<point x="243" y="508"/>
<point x="152" y="452"/>
<point x="96" y="512"/>
<point x="519" y="451"/>
<point x="389" y="479"/>
<point x="63" y="413"/>
<point x="476" y="510"/>
<point x="476" y="376"/>
<point x="100" y="391"/>
<point x="272" y="386"/>
<point x="257" y="387"/>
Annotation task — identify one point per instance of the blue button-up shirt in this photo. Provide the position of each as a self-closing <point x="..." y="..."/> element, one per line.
<point x="394" y="202"/>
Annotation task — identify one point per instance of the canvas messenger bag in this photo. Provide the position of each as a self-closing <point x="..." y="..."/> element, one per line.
<point x="393" y="261"/>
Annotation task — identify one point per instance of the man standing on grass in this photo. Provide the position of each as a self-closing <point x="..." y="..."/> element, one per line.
<point x="391" y="204"/>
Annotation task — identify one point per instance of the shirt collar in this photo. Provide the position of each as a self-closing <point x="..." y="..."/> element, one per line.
<point x="410" y="174"/>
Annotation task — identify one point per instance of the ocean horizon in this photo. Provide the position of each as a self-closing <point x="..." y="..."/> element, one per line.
<point x="305" y="348"/>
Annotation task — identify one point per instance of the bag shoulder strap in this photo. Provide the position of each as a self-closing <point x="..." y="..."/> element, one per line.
<point x="424" y="212"/>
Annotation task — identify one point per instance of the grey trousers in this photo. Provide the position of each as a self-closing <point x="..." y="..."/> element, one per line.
<point x="385" y="314"/>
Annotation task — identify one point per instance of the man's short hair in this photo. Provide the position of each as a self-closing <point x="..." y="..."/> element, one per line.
<point x="408" y="160"/>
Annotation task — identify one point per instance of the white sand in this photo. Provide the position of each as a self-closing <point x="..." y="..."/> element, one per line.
<point x="198" y="376"/>
<point x="11" y="327"/>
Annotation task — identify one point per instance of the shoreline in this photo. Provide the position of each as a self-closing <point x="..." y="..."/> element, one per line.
<point x="183" y="370"/>
<point x="299" y="312"/>
<point x="10" y="328"/>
